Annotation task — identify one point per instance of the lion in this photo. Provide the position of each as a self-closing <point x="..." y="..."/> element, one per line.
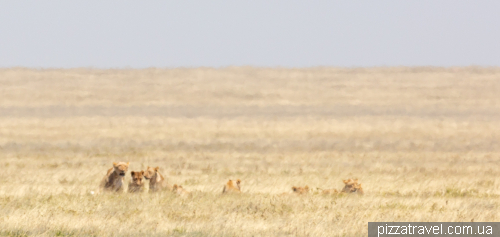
<point x="136" y="184"/>
<point x="300" y="190"/>
<point x="352" y="186"/>
<point x="232" y="186"/>
<point x="113" y="181"/>
<point x="156" y="181"/>
<point x="358" y="189"/>
<point x="179" y="190"/>
<point x="329" y="191"/>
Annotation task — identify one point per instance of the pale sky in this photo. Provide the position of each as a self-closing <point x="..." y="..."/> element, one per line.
<point x="139" y="34"/>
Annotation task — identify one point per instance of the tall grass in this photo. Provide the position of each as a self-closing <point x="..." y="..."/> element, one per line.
<point x="422" y="141"/>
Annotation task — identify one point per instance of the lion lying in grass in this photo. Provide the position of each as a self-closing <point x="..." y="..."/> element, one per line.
<point x="329" y="191"/>
<point x="179" y="190"/>
<point x="300" y="190"/>
<point x="232" y="187"/>
<point x="350" y="186"/>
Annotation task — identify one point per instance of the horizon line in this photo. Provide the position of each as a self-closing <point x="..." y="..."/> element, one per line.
<point x="254" y="67"/>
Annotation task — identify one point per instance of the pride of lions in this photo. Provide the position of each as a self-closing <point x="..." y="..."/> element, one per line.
<point x="113" y="181"/>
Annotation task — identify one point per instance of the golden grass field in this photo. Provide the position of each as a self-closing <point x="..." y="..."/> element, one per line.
<point x="424" y="142"/>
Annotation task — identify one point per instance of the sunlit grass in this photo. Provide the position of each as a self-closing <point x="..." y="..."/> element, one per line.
<point x="423" y="142"/>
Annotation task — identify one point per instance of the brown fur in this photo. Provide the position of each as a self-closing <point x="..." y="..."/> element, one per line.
<point x="232" y="187"/>
<point x="113" y="181"/>
<point x="156" y="181"/>
<point x="329" y="191"/>
<point x="136" y="184"/>
<point x="179" y="190"/>
<point x="359" y="189"/>
<point x="301" y="190"/>
<point x="352" y="186"/>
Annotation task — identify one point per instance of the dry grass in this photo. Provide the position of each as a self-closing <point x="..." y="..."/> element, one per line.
<point x="424" y="142"/>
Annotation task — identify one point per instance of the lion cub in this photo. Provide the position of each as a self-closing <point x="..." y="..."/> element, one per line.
<point x="113" y="181"/>
<point x="179" y="190"/>
<point x="232" y="186"/>
<point x="136" y="184"/>
<point x="156" y="180"/>
<point x="301" y="190"/>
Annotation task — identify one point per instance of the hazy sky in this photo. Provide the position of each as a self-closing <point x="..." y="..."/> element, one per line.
<point x="212" y="33"/>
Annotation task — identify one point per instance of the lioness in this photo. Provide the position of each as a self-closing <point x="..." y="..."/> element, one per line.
<point x="232" y="186"/>
<point x="113" y="181"/>
<point x="300" y="190"/>
<point x="179" y="190"/>
<point x="156" y="180"/>
<point x="358" y="189"/>
<point x="352" y="186"/>
<point x="136" y="184"/>
<point x="329" y="191"/>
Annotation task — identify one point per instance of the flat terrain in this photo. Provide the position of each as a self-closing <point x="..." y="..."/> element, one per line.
<point x="424" y="143"/>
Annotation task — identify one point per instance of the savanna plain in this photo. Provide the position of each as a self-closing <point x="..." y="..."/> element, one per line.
<point x="423" y="142"/>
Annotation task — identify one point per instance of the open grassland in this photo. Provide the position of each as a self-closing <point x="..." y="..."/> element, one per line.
<point x="424" y="142"/>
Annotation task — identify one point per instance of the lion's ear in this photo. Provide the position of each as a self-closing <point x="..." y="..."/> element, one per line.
<point x="157" y="168"/>
<point x="142" y="172"/>
<point x="132" y="173"/>
<point x="238" y="181"/>
<point x="115" y="164"/>
<point x="345" y="181"/>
